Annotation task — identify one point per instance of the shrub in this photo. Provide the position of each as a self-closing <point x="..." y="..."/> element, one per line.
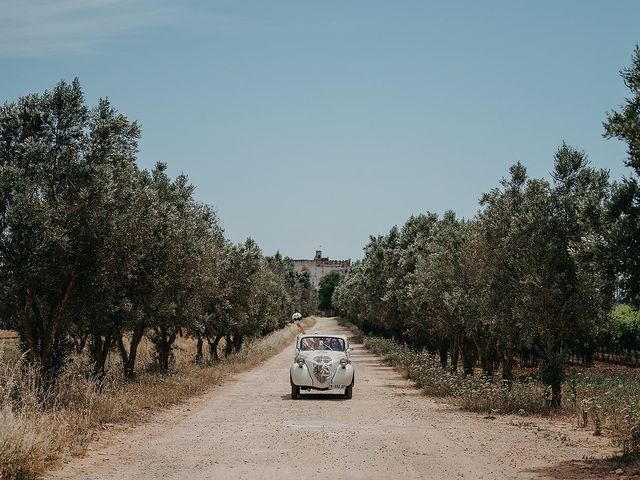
<point x="478" y="394"/>
<point x="606" y="402"/>
<point x="38" y="427"/>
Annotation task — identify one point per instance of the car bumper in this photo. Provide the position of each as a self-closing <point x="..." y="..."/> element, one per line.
<point x="301" y="377"/>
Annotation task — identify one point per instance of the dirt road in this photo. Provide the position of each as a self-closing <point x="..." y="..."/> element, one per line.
<point x="250" y="428"/>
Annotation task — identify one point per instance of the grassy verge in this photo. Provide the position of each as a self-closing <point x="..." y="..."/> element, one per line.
<point x="33" y="437"/>
<point x="604" y="399"/>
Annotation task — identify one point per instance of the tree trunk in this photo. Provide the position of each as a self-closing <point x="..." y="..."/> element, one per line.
<point x="79" y="342"/>
<point x="443" y="355"/>
<point x="507" y="366"/>
<point x="588" y="359"/>
<point x="237" y="343"/>
<point x="164" y="345"/>
<point x="455" y="354"/>
<point x="29" y="339"/>
<point x="488" y="367"/>
<point x="199" y="355"/>
<point x="526" y="357"/>
<point x="468" y="364"/>
<point x="213" y="348"/>
<point x="556" y="395"/>
<point x="228" y="348"/>
<point x="129" y="358"/>
<point x="164" y="353"/>
<point x="486" y="360"/>
<point x="42" y="335"/>
<point x="99" y="352"/>
<point x="51" y="336"/>
<point x="469" y="356"/>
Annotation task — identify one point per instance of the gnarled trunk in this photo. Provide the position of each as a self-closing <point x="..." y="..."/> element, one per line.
<point x="199" y="344"/>
<point x="444" y="350"/>
<point x="228" y="348"/>
<point x="238" y="340"/>
<point x="163" y="342"/>
<point x="507" y="366"/>
<point x="99" y="353"/>
<point x="41" y="333"/>
<point x="469" y="356"/>
<point x="129" y="357"/>
<point x="213" y="348"/>
<point x="455" y="356"/>
<point x="556" y="395"/>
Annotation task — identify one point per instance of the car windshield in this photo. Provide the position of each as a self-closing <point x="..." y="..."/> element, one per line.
<point x="322" y="343"/>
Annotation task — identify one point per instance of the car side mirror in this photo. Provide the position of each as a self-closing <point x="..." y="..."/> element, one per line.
<point x="348" y="350"/>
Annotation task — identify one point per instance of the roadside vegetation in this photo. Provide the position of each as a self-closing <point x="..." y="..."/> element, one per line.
<point x="602" y="399"/>
<point x="106" y="270"/>
<point x="510" y="309"/>
<point x="37" y="430"/>
<point x="327" y="285"/>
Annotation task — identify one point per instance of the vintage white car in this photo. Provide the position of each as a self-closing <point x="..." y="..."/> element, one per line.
<point x="322" y="363"/>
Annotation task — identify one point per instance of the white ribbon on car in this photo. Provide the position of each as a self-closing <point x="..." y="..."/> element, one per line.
<point x="322" y="368"/>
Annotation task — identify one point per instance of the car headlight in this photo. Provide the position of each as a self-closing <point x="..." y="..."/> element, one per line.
<point x="300" y="361"/>
<point x="344" y="362"/>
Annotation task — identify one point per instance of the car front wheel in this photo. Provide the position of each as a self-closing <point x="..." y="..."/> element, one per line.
<point x="295" y="391"/>
<point x="348" y="392"/>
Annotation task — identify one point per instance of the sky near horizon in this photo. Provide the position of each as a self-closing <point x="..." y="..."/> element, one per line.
<point x="309" y="124"/>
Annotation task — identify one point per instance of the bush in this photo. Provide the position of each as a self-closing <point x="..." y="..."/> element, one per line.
<point x="477" y="394"/>
<point x="39" y="427"/>
<point x="606" y="402"/>
<point x="610" y="404"/>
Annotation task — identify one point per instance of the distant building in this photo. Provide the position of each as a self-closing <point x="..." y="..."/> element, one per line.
<point x="320" y="266"/>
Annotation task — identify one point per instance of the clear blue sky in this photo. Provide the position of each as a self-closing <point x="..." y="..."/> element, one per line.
<point x="311" y="123"/>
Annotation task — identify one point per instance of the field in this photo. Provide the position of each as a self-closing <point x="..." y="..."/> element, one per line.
<point x="36" y="432"/>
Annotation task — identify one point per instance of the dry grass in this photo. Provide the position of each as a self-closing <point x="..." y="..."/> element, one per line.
<point x="36" y="431"/>
<point x="604" y="399"/>
<point x="473" y="393"/>
<point x="607" y="401"/>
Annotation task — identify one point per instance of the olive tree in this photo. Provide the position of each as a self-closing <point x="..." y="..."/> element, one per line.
<point x="328" y="285"/>
<point x="60" y="168"/>
<point x="624" y="240"/>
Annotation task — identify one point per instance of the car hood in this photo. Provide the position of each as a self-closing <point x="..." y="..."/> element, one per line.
<point x="322" y="364"/>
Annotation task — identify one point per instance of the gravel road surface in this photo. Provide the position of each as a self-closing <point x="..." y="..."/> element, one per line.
<point x="249" y="428"/>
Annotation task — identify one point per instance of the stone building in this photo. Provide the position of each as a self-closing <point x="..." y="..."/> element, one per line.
<point x="320" y="266"/>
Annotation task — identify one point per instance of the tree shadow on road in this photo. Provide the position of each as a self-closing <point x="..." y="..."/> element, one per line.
<point x="590" y="469"/>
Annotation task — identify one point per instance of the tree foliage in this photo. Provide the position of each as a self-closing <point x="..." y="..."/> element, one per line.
<point x="532" y="278"/>
<point x="523" y="279"/>
<point x="95" y="251"/>
<point x="326" y="288"/>
<point x="624" y="124"/>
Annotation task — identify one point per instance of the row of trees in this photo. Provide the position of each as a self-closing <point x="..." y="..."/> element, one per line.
<point x="532" y="276"/>
<point x="95" y="251"/>
<point x="619" y="339"/>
